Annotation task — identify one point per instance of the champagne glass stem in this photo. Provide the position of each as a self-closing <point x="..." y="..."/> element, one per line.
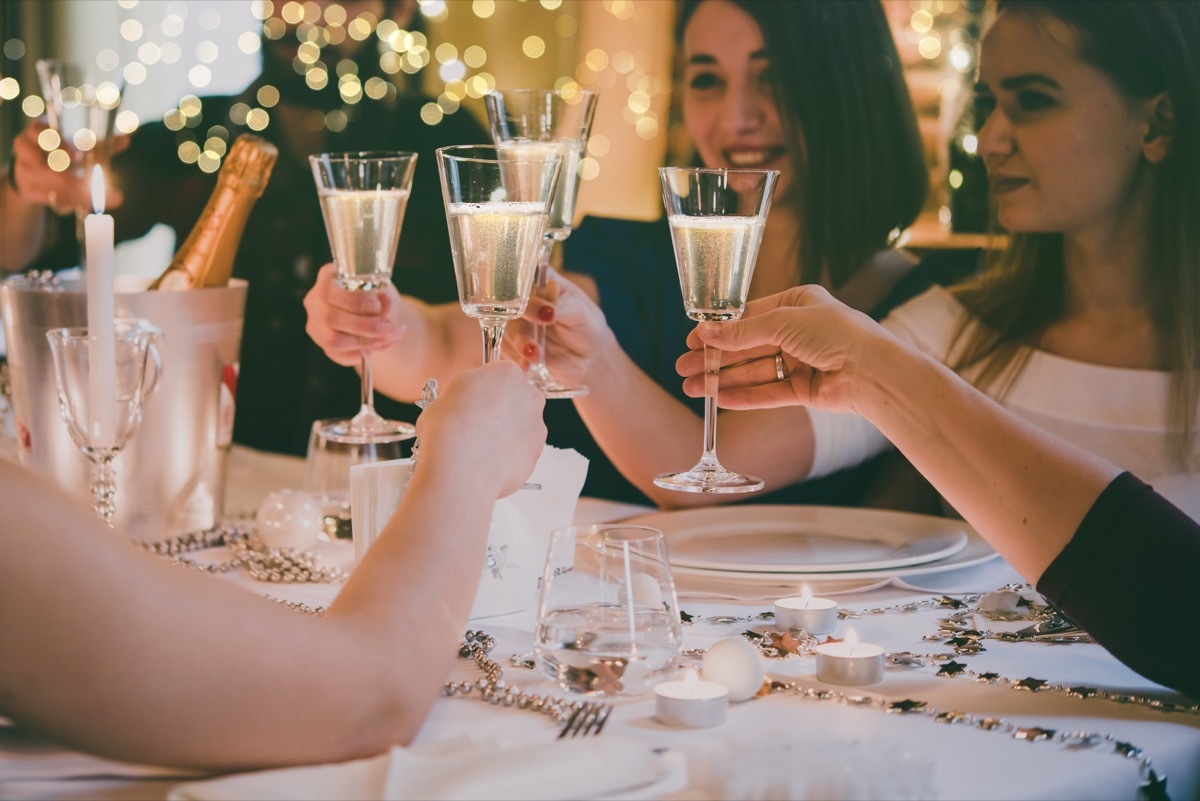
<point x="537" y="369"/>
<point x="366" y="411"/>
<point x="712" y="367"/>
<point x="104" y="487"/>
<point x="493" y="335"/>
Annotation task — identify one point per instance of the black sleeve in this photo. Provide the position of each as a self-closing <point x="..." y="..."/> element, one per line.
<point x="1129" y="577"/>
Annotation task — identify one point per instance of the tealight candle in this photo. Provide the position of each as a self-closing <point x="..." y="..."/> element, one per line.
<point x="814" y="615"/>
<point x="101" y="319"/>
<point x="691" y="703"/>
<point x="849" y="662"/>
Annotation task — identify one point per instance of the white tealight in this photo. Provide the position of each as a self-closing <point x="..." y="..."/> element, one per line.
<point x="737" y="665"/>
<point x="646" y="591"/>
<point x="691" y="703"/>
<point x="813" y="615"/>
<point x="289" y="519"/>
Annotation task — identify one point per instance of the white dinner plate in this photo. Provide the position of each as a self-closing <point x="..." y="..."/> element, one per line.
<point x="804" y="539"/>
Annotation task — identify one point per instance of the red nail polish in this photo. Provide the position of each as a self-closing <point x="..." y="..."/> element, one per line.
<point x="546" y="314"/>
<point x="530" y="351"/>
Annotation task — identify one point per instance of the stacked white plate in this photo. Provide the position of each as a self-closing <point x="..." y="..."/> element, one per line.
<point x="785" y="546"/>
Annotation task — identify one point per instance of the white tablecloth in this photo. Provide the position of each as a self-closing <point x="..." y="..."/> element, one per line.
<point x="781" y="735"/>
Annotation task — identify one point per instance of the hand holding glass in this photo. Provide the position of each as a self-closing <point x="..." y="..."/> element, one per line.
<point x="532" y="121"/>
<point x="497" y="205"/>
<point x="363" y="198"/>
<point x="717" y="219"/>
<point x="136" y="345"/>
<point x="608" y="619"/>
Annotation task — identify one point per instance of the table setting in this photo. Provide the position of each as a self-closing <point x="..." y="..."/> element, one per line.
<point x="885" y="692"/>
<point x="613" y="650"/>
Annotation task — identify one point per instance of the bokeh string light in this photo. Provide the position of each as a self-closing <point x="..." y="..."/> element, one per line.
<point x="461" y="69"/>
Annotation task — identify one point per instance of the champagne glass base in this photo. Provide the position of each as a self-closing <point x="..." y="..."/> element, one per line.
<point x="552" y="389"/>
<point x="705" y="479"/>
<point x="352" y="433"/>
<point x="562" y="392"/>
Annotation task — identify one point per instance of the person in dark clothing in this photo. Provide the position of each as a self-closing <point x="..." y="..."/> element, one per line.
<point x="285" y="382"/>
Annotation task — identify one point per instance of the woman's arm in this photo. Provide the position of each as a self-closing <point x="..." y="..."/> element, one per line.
<point x="1099" y="543"/>
<point x="117" y="652"/>
<point x="409" y="340"/>
<point x="1021" y="488"/>
<point x="30" y="190"/>
<point x="642" y="428"/>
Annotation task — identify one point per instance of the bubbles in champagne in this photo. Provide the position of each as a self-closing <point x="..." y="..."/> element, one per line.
<point x="495" y="248"/>
<point x="715" y="256"/>
<point x="364" y="232"/>
<point x="522" y="163"/>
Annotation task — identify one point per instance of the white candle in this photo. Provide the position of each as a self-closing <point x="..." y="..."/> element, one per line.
<point x="814" y="615"/>
<point x="101" y="319"/>
<point x="691" y="703"/>
<point x="849" y="662"/>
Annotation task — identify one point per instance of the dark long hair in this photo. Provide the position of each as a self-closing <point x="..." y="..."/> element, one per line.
<point x="1144" y="48"/>
<point x="855" y="148"/>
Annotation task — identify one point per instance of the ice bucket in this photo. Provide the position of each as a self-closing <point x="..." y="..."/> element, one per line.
<point x="171" y="476"/>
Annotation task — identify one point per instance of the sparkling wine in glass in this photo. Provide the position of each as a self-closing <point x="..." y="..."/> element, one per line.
<point x="497" y="206"/>
<point x="537" y="121"/>
<point x="136" y="369"/>
<point x="363" y="197"/>
<point x="717" y="218"/>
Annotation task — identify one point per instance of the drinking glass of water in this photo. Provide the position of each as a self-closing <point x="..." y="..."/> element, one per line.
<point x="608" y="620"/>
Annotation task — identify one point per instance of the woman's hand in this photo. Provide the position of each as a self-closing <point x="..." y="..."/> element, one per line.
<point x="345" y="324"/>
<point x="828" y="353"/>
<point x="487" y="426"/>
<point x="64" y="191"/>
<point x="576" y="331"/>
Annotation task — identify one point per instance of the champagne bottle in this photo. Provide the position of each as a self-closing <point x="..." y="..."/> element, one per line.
<point x="206" y="257"/>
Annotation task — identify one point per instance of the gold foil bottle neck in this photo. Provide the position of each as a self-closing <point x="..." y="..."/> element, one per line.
<point x="207" y="256"/>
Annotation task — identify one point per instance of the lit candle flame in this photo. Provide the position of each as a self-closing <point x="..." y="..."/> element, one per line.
<point x="851" y="641"/>
<point x="691" y="682"/>
<point x="97" y="190"/>
<point x="806" y="594"/>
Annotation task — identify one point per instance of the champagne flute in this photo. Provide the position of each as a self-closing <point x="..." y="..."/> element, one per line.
<point x="137" y="344"/>
<point x="81" y="107"/>
<point x="497" y="204"/>
<point x="717" y="218"/>
<point x="363" y="197"/>
<point x="536" y="121"/>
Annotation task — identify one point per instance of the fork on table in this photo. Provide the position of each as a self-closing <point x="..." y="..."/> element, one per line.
<point x="588" y="718"/>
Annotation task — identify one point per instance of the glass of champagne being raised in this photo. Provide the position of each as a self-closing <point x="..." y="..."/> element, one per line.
<point x="497" y="205"/>
<point x="717" y="218"/>
<point x="535" y="121"/>
<point x="363" y="197"/>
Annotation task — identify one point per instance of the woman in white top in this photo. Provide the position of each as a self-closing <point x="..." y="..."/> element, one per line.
<point x="1091" y="318"/>
<point x="1089" y="324"/>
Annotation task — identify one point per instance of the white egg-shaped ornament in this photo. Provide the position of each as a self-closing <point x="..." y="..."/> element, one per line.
<point x="646" y="591"/>
<point x="289" y="519"/>
<point x="737" y="665"/>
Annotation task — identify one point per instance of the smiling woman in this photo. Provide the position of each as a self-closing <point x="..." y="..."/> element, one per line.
<point x="1089" y="324"/>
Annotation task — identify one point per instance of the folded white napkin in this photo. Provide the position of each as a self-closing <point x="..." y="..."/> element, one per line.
<point x="592" y="767"/>
<point x="520" y="527"/>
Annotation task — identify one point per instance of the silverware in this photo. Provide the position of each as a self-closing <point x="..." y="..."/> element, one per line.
<point x="1056" y="628"/>
<point x="587" y="719"/>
